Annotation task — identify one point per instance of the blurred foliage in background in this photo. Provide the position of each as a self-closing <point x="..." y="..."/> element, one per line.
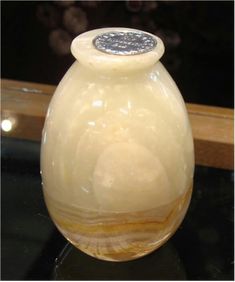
<point x="198" y="37"/>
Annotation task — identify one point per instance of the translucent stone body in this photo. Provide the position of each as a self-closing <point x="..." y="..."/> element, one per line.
<point x="117" y="156"/>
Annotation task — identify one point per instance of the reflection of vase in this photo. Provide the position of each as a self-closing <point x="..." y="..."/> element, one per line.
<point x="165" y="264"/>
<point x="117" y="152"/>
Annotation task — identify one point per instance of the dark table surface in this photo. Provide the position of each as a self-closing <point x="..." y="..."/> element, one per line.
<point x="33" y="249"/>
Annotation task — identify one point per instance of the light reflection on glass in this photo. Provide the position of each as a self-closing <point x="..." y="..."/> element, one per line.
<point x="6" y="125"/>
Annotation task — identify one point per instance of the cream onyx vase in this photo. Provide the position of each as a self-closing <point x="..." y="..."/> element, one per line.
<point x="117" y="155"/>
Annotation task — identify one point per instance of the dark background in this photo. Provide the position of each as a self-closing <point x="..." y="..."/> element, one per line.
<point x="198" y="36"/>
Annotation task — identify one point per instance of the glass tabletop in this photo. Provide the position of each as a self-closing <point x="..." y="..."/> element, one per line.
<point x="32" y="248"/>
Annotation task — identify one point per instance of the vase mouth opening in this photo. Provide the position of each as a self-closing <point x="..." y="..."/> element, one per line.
<point x="117" y="50"/>
<point x="121" y="43"/>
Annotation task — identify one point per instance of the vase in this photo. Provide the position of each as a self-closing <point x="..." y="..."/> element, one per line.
<point x="117" y="154"/>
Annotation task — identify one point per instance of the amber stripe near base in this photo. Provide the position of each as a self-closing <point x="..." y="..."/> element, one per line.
<point x="26" y="103"/>
<point x="118" y="236"/>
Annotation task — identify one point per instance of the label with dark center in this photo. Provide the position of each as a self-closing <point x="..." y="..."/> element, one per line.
<point x="124" y="43"/>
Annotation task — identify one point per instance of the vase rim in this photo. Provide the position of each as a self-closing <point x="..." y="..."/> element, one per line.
<point x="117" y="50"/>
